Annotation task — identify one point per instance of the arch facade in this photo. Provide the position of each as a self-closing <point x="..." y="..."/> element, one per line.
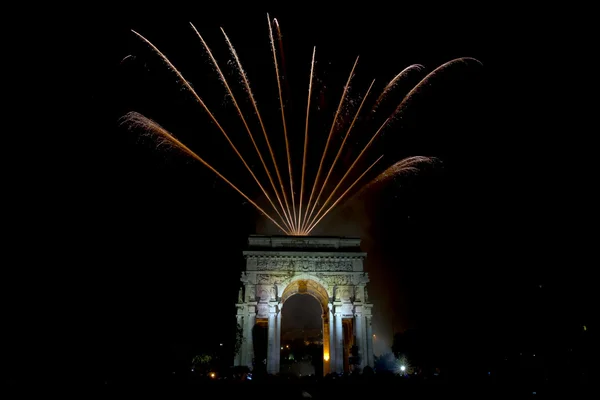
<point x="331" y="269"/>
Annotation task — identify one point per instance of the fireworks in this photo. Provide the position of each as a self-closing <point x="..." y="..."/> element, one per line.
<point x="301" y="217"/>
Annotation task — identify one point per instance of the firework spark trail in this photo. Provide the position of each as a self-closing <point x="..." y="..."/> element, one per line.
<point x="287" y="144"/>
<point x="138" y="120"/>
<point x="337" y="156"/>
<point x="391" y="84"/>
<point x="214" y="119"/>
<point x="335" y="117"/>
<point x="408" y="164"/>
<point x="237" y="107"/>
<point x="404" y="165"/>
<point x="312" y="226"/>
<point x="312" y="66"/>
<point x="351" y="168"/>
<point x="425" y="80"/>
<point x="242" y="72"/>
<point x="127" y="57"/>
<point x="287" y="84"/>
<point x="281" y="52"/>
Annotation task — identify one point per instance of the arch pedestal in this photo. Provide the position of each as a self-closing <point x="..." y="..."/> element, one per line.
<point x="331" y="269"/>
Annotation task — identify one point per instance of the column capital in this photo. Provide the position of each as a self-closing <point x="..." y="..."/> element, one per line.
<point x="339" y="309"/>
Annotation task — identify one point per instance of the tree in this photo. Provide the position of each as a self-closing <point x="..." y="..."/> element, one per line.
<point x="201" y="363"/>
<point x="386" y="363"/>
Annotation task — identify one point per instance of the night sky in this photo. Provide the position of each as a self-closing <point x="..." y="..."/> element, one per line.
<point x="146" y="244"/>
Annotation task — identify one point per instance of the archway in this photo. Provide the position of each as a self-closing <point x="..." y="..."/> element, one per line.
<point x="330" y="269"/>
<point x="318" y="347"/>
<point x="301" y="337"/>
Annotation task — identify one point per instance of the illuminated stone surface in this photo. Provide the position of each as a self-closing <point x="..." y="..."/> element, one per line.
<point x="331" y="269"/>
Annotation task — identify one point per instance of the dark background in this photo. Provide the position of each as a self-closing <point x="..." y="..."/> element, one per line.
<point x="129" y="255"/>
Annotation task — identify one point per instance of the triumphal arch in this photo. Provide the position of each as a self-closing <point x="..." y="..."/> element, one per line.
<point x="331" y="269"/>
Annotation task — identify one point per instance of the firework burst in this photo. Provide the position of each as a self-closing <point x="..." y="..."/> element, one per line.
<point x="293" y="214"/>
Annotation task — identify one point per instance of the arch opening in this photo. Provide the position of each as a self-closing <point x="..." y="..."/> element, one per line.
<point x="313" y="348"/>
<point x="301" y="337"/>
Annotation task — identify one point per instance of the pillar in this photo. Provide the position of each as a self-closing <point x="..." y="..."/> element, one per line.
<point x="247" y="334"/>
<point x="271" y="362"/>
<point x="237" y="358"/>
<point x="248" y="354"/>
<point x="339" y="342"/>
<point x="278" y="340"/>
<point x="365" y="343"/>
<point x="360" y="337"/>
<point x="370" y="358"/>
<point x="326" y="336"/>
<point x="331" y="340"/>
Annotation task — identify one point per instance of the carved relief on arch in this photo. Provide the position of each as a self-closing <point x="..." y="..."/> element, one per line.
<point x="302" y="286"/>
<point x="306" y="286"/>
<point x="264" y="295"/>
<point x="315" y="279"/>
<point x="345" y="294"/>
<point x="250" y="292"/>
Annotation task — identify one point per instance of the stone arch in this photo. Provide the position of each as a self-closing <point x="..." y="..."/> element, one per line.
<point x="306" y="284"/>
<point x="331" y="270"/>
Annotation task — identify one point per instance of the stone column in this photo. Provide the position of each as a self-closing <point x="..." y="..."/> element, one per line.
<point x="237" y="358"/>
<point x="365" y="349"/>
<point x="271" y="362"/>
<point x="331" y="340"/>
<point x="360" y="337"/>
<point x="246" y="333"/>
<point x="278" y="340"/>
<point x="339" y="342"/>
<point x="248" y="354"/>
<point x="326" y="335"/>
<point x="370" y="359"/>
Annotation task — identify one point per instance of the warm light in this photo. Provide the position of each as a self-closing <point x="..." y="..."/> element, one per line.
<point x="300" y="220"/>
<point x="374" y="336"/>
<point x="326" y="356"/>
<point x="287" y="346"/>
<point x="212" y="375"/>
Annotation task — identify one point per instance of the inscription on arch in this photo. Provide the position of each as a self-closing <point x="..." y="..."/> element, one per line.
<point x="304" y="265"/>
